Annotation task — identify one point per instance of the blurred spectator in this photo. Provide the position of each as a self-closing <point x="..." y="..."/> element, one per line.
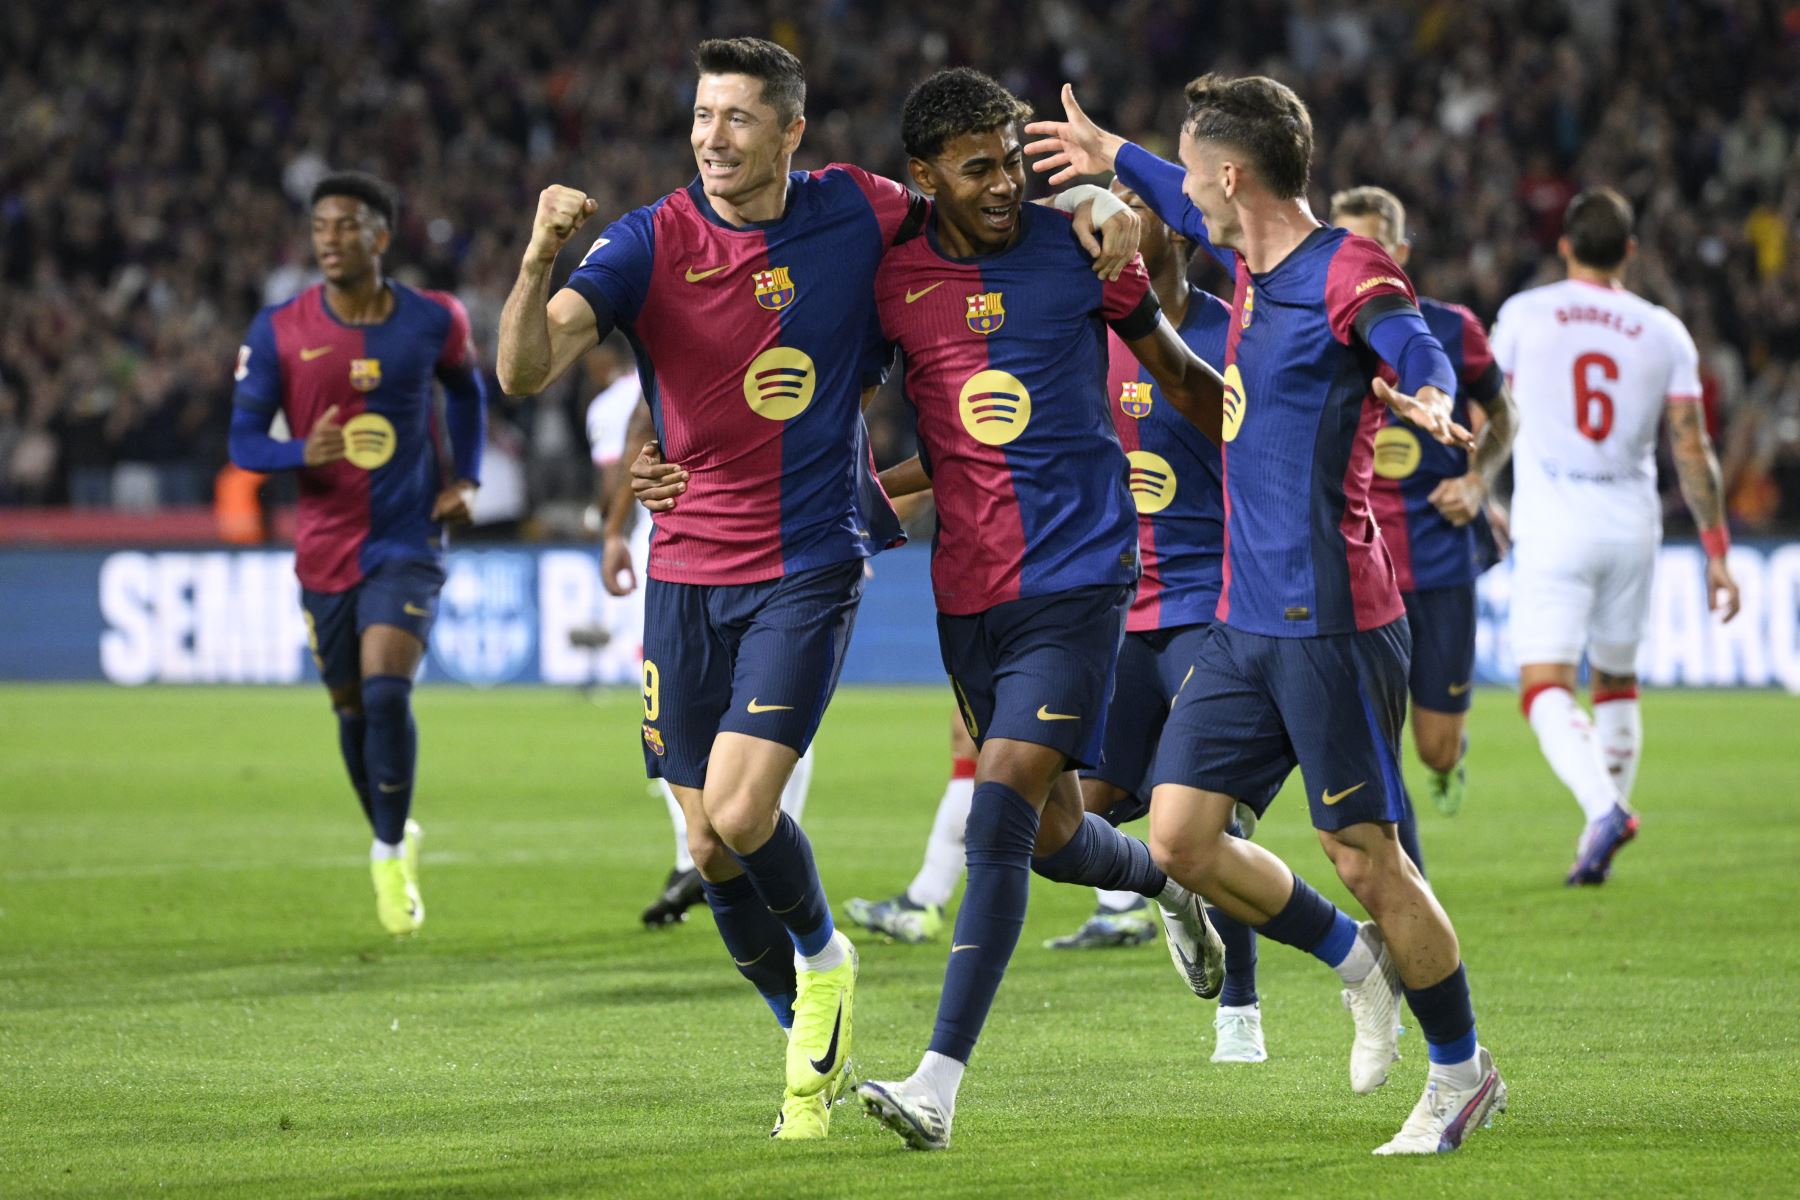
<point x="147" y="211"/>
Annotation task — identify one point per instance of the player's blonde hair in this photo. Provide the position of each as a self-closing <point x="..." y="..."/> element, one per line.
<point x="1369" y="201"/>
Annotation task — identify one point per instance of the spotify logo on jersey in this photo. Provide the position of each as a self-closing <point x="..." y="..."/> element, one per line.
<point x="368" y="440"/>
<point x="1235" y="402"/>
<point x="1152" y="481"/>
<point x="779" y="384"/>
<point x="1396" y="452"/>
<point x="995" y="407"/>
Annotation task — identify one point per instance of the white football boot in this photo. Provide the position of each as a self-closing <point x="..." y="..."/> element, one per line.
<point x="1374" y="1005"/>
<point x="1444" y="1117"/>
<point x="1239" y="1036"/>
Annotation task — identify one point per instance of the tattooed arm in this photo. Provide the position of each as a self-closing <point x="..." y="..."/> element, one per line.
<point x="1698" y="468"/>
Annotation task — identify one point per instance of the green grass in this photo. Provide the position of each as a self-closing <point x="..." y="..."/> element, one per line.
<point x="195" y="997"/>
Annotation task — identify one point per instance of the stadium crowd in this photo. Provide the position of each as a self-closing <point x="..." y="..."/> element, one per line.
<point x="155" y="160"/>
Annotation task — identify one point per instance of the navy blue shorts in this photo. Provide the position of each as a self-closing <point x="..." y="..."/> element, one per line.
<point x="1443" y="633"/>
<point x="1153" y="666"/>
<point x="1258" y="706"/>
<point x="400" y="592"/>
<point x="755" y="658"/>
<point x="1039" y="670"/>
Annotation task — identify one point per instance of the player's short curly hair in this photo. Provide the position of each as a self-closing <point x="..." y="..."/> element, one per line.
<point x="382" y="200"/>
<point x="783" y="79"/>
<point x="1370" y="201"/>
<point x="1598" y="226"/>
<point x="953" y="102"/>
<point x="1261" y="117"/>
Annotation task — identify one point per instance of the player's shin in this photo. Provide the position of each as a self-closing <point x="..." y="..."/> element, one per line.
<point x="943" y="864"/>
<point x="353" y="729"/>
<point x="1001" y="832"/>
<point x="1447" y="1018"/>
<point x="1619" y="726"/>
<point x="757" y="941"/>
<point x="1566" y="736"/>
<point x="784" y="874"/>
<point x="390" y="753"/>
<point x="1102" y="857"/>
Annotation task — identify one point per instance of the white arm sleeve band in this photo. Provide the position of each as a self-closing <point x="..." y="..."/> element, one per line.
<point x="1106" y="205"/>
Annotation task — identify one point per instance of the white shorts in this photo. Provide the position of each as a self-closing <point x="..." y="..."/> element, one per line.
<point x="1568" y="596"/>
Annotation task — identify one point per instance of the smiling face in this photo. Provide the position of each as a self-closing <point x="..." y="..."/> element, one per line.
<point x="348" y="239"/>
<point x="978" y="183"/>
<point x="1213" y="179"/>
<point x="740" y="144"/>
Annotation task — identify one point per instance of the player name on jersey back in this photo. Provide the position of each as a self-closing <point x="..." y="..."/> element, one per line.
<point x="1592" y="369"/>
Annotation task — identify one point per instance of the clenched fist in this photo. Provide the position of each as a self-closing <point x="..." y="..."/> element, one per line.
<point x="560" y="212"/>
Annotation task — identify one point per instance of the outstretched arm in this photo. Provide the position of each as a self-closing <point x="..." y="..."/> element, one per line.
<point x="1184" y="378"/>
<point x="1463" y="498"/>
<point x="1698" y="468"/>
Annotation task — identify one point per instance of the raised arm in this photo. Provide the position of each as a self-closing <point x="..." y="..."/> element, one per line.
<point x="541" y="336"/>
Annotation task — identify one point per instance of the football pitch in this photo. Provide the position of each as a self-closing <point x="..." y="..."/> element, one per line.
<point x="195" y="997"/>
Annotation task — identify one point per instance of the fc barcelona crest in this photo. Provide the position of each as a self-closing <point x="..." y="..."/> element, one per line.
<point x="1249" y="306"/>
<point x="986" y="312"/>
<point x="1135" y="398"/>
<point x="365" y="374"/>
<point x="774" y="288"/>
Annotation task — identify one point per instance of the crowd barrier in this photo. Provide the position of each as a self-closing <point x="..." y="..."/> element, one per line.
<point x="232" y="616"/>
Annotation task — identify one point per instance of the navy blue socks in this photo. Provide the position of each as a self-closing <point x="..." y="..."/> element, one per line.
<point x="352" y="729"/>
<point x="1100" y="856"/>
<point x="1240" y="959"/>
<point x="1446" y="1017"/>
<point x="1314" y="924"/>
<point x="390" y="750"/>
<point x="757" y="940"/>
<point x="999" y="837"/>
<point x="783" y="873"/>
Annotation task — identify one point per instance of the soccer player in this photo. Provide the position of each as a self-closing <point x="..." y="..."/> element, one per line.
<point x="349" y="364"/>
<point x="1033" y="566"/>
<point x="618" y="417"/>
<point x="1595" y="369"/>
<point x="1306" y="662"/>
<point x="1429" y="500"/>
<point x="748" y="295"/>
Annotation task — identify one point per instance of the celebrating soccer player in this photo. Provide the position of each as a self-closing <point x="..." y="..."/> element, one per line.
<point x="1430" y="501"/>
<point x="1307" y="661"/>
<point x="350" y="365"/>
<point x="994" y="309"/>
<point x="1596" y="368"/>
<point x="749" y="296"/>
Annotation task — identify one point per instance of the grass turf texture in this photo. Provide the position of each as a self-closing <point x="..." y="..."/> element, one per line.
<point x="195" y="996"/>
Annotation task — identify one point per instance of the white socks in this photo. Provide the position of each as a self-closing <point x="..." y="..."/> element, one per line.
<point x="941" y="1076"/>
<point x="1462" y="1076"/>
<point x="1358" y="963"/>
<point x="379" y="849"/>
<point x="831" y="957"/>
<point x="944" y="856"/>
<point x="1116" y="902"/>
<point x="793" y="796"/>
<point x="1620" y="727"/>
<point x="1566" y="737"/>
<point x="683" y="860"/>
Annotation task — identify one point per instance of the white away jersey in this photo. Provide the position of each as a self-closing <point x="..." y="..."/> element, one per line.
<point x="609" y="418"/>
<point x="1591" y="370"/>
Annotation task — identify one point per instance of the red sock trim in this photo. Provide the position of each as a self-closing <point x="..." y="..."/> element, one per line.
<point x="1530" y="695"/>
<point x="962" y="768"/>
<point x="1629" y="693"/>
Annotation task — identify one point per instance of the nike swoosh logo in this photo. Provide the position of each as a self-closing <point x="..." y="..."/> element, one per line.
<point x="391" y="788"/>
<point x="413" y="610"/>
<point x="1457" y="689"/>
<point x="912" y="295"/>
<point x="761" y="708"/>
<point x="307" y="355"/>
<point x="956" y="949"/>
<point x="823" y="1066"/>
<point x="1328" y="798"/>
<point x="1044" y="714"/>
<point x="740" y="962"/>
<point x="694" y="276"/>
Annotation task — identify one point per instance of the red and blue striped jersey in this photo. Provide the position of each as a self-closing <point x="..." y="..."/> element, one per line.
<point x="1303" y="557"/>
<point x="754" y="344"/>
<point x="1175" y="480"/>
<point x="1005" y="358"/>
<point x="374" y="505"/>
<point x="1428" y="551"/>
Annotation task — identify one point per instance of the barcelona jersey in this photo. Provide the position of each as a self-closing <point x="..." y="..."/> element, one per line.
<point x="1428" y="551"/>
<point x="374" y="505"/>
<point x="1175" y="480"/>
<point x="754" y="344"/>
<point x="1005" y="359"/>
